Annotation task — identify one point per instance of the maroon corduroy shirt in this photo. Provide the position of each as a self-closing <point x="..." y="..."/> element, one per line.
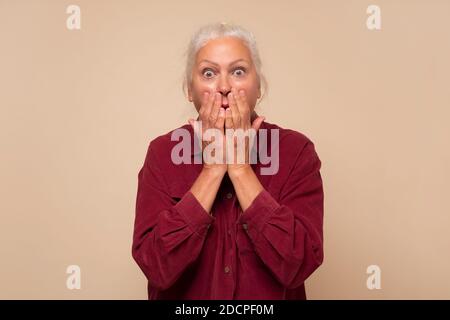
<point x="265" y="252"/>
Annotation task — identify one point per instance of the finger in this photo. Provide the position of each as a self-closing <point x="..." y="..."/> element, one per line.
<point x="220" y="119"/>
<point x="215" y="108"/>
<point x="205" y="98"/>
<point x="228" y="119"/>
<point x="228" y="144"/>
<point x="205" y="109"/>
<point x="234" y="110"/>
<point x="241" y="100"/>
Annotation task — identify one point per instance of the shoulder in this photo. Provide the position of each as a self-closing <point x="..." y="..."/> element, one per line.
<point x="299" y="164"/>
<point x="159" y="149"/>
<point x="164" y="141"/>
<point x="291" y="142"/>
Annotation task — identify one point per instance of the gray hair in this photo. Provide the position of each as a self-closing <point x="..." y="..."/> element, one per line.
<point x="220" y="30"/>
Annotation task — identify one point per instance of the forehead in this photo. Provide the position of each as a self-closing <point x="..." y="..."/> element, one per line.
<point x="224" y="50"/>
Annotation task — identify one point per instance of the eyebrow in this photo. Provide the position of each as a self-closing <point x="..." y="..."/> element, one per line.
<point x="216" y="64"/>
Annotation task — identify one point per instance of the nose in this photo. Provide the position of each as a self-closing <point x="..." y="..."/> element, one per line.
<point x="225" y="91"/>
<point x="224" y="88"/>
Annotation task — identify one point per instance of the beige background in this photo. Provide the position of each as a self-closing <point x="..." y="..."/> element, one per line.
<point x="78" y="109"/>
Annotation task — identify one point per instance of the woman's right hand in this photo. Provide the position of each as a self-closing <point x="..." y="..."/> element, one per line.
<point x="212" y="115"/>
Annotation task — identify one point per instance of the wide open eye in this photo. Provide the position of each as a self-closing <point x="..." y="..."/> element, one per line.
<point x="239" y="72"/>
<point x="208" y="73"/>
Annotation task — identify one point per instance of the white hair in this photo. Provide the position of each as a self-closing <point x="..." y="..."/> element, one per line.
<point x="220" y="30"/>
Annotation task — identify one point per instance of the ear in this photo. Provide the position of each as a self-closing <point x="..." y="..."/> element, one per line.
<point x="259" y="88"/>
<point x="190" y="94"/>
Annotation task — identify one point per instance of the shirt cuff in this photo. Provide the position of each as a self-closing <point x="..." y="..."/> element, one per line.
<point x="198" y="219"/>
<point x="255" y="216"/>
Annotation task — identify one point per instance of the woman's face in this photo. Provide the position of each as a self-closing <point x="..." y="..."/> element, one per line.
<point x="220" y="65"/>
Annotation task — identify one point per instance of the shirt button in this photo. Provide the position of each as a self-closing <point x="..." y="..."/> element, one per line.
<point x="229" y="195"/>
<point x="244" y="225"/>
<point x="227" y="269"/>
<point x="229" y="232"/>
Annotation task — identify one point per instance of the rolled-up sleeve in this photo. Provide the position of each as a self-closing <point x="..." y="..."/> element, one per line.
<point x="168" y="233"/>
<point x="287" y="234"/>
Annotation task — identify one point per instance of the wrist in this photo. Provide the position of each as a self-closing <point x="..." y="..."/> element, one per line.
<point x="239" y="170"/>
<point x="214" y="171"/>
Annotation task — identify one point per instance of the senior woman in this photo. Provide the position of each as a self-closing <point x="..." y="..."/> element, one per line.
<point x="223" y="229"/>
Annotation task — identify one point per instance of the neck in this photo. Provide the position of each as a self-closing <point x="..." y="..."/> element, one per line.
<point x="253" y="116"/>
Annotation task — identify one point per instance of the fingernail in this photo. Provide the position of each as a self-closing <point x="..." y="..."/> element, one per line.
<point x="222" y="112"/>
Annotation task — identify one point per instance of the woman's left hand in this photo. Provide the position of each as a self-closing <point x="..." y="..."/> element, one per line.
<point x="238" y="116"/>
